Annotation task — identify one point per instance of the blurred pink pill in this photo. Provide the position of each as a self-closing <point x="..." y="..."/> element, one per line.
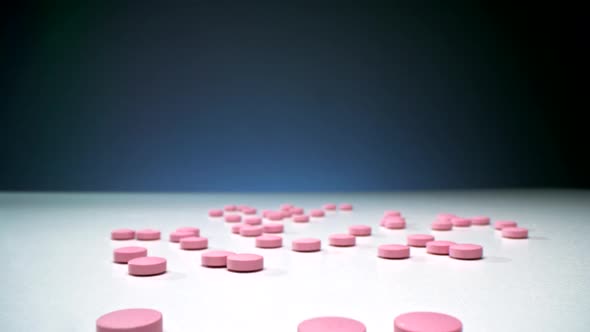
<point x="236" y="228"/>
<point x="251" y="230"/>
<point x="301" y="218"/>
<point x="253" y="221"/>
<point x="504" y="223"/>
<point x="439" y="247"/>
<point x="426" y="322"/>
<point x="330" y="207"/>
<point x="419" y="240"/>
<point x="346" y="207"/>
<point x="233" y="218"/>
<point x="442" y="225"/>
<point x="123" y="234"/>
<point x="286" y="214"/>
<point x="480" y="220"/>
<point x="286" y="206"/>
<point x="342" y="240"/>
<point x="215" y="213"/>
<point x="269" y="241"/>
<point x="466" y="251"/>
<point x="147" y="266"/>
<point x="331" y="324"/>
<point x="515" y="232"/>
<point x="317" y="213"/>
<point x="230" y="208"/>
<point x="273" y="228"/>
<point x="130" y="320"/>
<point x="394" y="222"/>
<point x="392" y="213"/>
<point x="461" y="222"/>
<point x="215" y="258"/>
<point x="297" y="211"/>
<point x="245" y="263"/>
<point x="445" y="216"/>
<point x="241" y="208"/>
<point x="176" y="236"/>
<point x="194" y="243"/>
<point x="125" y="254"/>
<point x="359" y="230"/>
<point x="274" y="215"/>
<point x="147" y="234"/>
<point x="249" y="211"/>
<point x="306" y="245"/>
<point x="194" y="230"/>
<point x="393" y="251"/>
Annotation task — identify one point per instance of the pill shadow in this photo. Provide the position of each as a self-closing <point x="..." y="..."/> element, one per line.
<point x="539" y="238"/>
<point x="496" y="259"/>
<point x="168" y="275"/>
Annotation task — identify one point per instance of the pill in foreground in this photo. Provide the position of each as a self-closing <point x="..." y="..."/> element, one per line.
<point x="125" y="254"/>
<point x="245" y="263"/>
<point x="393" y="251"/>
<point x="331" y="324"/>
<point x="419" y="240"/>
<point x="515" y="233"/>
<point x="147" y="266"/>
<point x="123" y="234"/>
<point x="306" y="245"/>
<point x="130" y="320"/>
<point x="426" y="322"/>
<point x="466" y="251"/>
<point x="215" y="258"/>
<point x="148" y="234"/>
<point x="342" y="240"/>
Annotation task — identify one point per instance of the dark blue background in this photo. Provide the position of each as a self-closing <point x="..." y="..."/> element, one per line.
<point x="315" y="97"/>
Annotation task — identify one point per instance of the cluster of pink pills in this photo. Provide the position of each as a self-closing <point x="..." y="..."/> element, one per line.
<point x="509" y="229"/>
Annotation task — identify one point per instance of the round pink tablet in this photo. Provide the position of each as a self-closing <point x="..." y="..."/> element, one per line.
<point x="317" y="213"/>
<point x="130" y="320"/>
<point x="393" y="251"/>
<point x="194" y="230"/>
<point x="253" y="221"/>
<point x="236" y="228"/>
<point x="273" y="228"/>
<point x="461" y="222"/>
<point x="480" y="220"/>
<point x="392" y="213"/>
<point x="123" y="234"/>
<point x="439" y="247"/>
<point x="148" y="234"/>
<point x="286" y="206"/>
<point x="330" y="207"/>
<point x="297" y="211"/>
<point x="147" y="266"/>
<point x="419" y="240"/>
<point x="245" y="262"/>
<point x="445" y="216"/>
<point x="286" y="214"/>
<point x="215" y="213"/>
<point x="269" y="241"/>
<point x="359" y="230"/>
<point x="442" y="225"/>
<point x="306" y="245"/>
<point x="194" y="243"/>
<point x="515" y="232"/>
<point x="215" y="258"/>
<point x="301" y="218"/>
<point x="274" y="215"/>
<point x="346" y="207"/>
<point x="230" y="208"/>
<point x="176" y="236"/>
<point x="233" y="218"/>
<point x="394" y="222"/>
<point x="331" y="324"/>
<point x="249" y="211"/>
<point x="125" y="254"/>
<point x="426" y="322"/>
<point x="251" y="230"/>
<point x="466" y="251"/>
<point x="504" y="223"/>
<point x="342" y="240"/>
<point x="241" y="208"/>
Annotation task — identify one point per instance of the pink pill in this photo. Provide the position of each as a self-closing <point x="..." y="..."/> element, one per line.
<point x="331" y="324"/>
<point x="466" y="251"/>
<point x="306" y="245"/>
<point x="123" y="234"/>
<point x="419" y="240"/>
<point x="125" y="254"/>
<point x="236" y="228"/>
<point x="241" y="208"/>
<point x="461" y="222"/>
<point x="515" y="232"/>
<point x="392" y="213"/>
<point x="253" y="221"/>
<point x="194" y="243"/>
<point x="194" y="230"/>
<point x="130" y="320"/>
<point x="251" y="230"/>
<point x="442" y="225"/>
<point x="147" y="266"/>
<point x="342" y="240"/>
<point x="148" y="234"/>
<point x="504" y="223"/>
<point x="393" y="251"/>
<point x="230" y="208"/>
<point x="285" y="207"/>
<point x="297" y="211"/>
<point x="233" y="218"/>
<point x="445" y="216"/>
<point x="215" y="258"/>
<point x="265" y="213"/>
<point x="269" y="241"/>
<point x="301" y="218"/>
<point x="359" y="230"/>
<point x="317" y="213"/>
<point x="394" y="222"/>
<point x="286" y="214"/>
<point x="480" y="220"/>
<point x="249" y="211"/>
<point x="426" y="322"/>
<point x="346" y="207"/>
<point x="274" y="215"/>
<point x="176" y="236"/>
<point x="215" y="213"/>
<point x="330" y="207"/>
<point x="245" y="262"/>
<point x="273" y="228"/>
<point x="439" y="247"/>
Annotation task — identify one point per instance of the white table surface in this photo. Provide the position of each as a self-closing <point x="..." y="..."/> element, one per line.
<point x="57" y="273"/>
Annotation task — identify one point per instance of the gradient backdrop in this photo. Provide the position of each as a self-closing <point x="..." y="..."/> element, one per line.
<point x="275" y="97"/>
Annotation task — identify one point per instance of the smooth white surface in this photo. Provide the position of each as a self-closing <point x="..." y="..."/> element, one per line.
<point x="57" y="273"/>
